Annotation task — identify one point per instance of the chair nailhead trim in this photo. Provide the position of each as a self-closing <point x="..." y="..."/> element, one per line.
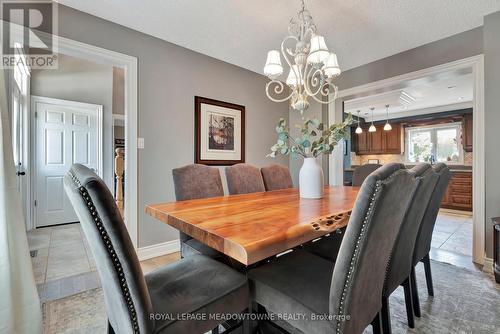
<point x="116" y="262"/>
<point x="348" y="282"/>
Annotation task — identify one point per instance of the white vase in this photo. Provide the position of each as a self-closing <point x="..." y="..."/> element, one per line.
<point x="311" y="181"/>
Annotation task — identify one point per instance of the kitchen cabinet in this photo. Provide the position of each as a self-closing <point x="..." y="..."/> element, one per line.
<point x="467" y="132"/>
<point x="378" y="142"/>
<point x="458" y="196"/>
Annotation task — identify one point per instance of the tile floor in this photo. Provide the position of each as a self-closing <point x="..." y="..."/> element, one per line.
<point x="64" y="264"/>
<point x="453" y="233"/>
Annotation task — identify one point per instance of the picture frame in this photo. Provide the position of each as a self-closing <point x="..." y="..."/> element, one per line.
<point x="219" y="132"/>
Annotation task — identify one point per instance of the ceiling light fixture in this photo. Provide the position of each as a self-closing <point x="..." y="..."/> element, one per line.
<point x="387" y="126"/>
<point x="312" y="66"/>
<point x="372" y="127"/>
<point x="358" y="129"/>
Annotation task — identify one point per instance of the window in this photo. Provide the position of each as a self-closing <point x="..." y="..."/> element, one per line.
<point x="435" y="143"/>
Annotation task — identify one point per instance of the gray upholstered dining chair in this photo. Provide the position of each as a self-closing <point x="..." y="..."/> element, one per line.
<point x="345" y="296"/>
<point x="148" y="304"/>
<point x="361" y="173"/>
<point x="193" y="182"/>
<point x="244" y="179"/>
<point x="276" y="177"/>
<point x="400" y="264"/>
<point x="424" y="234"/>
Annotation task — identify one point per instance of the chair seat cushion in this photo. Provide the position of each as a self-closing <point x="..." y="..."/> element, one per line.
<point x="195" y="285"/>
<point x="327" y="247"/>
<point x="295" y="283"/>
<point x="194" y="247"/>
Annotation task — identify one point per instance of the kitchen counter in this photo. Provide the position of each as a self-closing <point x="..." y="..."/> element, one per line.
<point x="453" y="168"/>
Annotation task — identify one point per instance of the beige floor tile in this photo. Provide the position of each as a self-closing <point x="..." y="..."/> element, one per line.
<point x="39" y="238"/>
<point x="65" y="235"/>
<point x="166" y="259"/>
<point x="40" y="265"/>
<point x="67" y="260"/>
<point x="148" y="266"/>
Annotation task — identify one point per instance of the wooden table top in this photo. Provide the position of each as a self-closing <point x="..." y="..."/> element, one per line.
<point x="252" y="227"/>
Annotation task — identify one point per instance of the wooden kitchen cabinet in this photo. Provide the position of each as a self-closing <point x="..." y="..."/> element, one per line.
<point x="379" y="142"/>
<point x="467" y="132"/>
<point x="458" y="196"/>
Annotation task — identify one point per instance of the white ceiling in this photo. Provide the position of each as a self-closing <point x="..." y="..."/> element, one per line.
<point x="240" y="32"/>
<point x="446" y="91"/>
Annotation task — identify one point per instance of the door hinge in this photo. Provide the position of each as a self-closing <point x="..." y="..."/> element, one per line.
<point x="36" y="114"/>
<point x="35" y="202"/>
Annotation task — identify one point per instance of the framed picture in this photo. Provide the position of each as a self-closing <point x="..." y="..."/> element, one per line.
<point x="219" y="132"/>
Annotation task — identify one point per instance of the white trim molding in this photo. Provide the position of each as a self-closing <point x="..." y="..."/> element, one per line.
<point x="336" y="168"/>
<point x="77" y="49"/>
<point x="149" y="252"/>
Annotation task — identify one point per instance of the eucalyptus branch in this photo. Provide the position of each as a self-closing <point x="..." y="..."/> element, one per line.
<point x="315" y="138"/>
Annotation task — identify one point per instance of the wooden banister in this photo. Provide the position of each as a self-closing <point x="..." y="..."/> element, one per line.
<point x="119" y="169"/>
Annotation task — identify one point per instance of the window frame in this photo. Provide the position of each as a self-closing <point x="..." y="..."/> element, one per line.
<point x="433" y="129"/>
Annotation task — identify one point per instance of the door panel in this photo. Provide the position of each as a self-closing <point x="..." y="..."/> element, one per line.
<point x="65" y="134"/>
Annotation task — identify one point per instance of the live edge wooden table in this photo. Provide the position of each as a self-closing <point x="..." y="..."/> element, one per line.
<point x="253" y="227"/>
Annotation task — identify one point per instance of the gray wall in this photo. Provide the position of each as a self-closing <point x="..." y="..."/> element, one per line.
<point x="169" y="78"/>
<point x="492" y="121"/>
<point x="82" y="81"/>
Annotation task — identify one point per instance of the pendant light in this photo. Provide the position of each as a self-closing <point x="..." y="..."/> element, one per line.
<point x="358" y="129"/>
<point x="387" y="126"/>
<point x="372" y="127"/>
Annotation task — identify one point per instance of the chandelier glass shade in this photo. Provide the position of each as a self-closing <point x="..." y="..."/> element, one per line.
<point x="312" y="67"/>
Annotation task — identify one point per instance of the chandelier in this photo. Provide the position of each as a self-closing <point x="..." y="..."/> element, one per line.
<point x="312" y="66"/>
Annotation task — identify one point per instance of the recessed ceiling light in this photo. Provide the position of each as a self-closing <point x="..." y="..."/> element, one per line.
<point x="460" y="98"/>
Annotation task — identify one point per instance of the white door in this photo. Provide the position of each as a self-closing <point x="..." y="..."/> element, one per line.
<point x="66" y="132"/>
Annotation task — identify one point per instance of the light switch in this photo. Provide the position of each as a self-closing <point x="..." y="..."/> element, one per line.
<point x="140" y="142"/>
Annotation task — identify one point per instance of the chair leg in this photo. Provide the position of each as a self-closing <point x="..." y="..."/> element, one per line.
<point x="428" y="275"/>
<point x="414" y="293"/>
<point x="385" y="316"/>
<point x="377" y="324"/>
<point x="409" y="303"/>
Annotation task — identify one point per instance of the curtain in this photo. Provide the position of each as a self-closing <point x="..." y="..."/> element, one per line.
<point x="20" y="310"/>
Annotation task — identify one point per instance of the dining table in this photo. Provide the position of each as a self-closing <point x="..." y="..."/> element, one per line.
<point x="252" y="227"/>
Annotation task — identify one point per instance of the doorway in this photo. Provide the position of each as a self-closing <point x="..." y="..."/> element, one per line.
<point x="65" y="132"/>
<point x="474" y="65"/>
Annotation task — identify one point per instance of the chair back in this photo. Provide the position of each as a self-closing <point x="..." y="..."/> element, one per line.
<point x="401" y="260"/>
<point x="359" y="272"/>
<point x="197" y="181"/>
<point x="244" y="179"/>
<point x="126" y="294"/>
<point x="424" y="235"/>
<point x="362" y="172"/>
<point x="276" y="177"/>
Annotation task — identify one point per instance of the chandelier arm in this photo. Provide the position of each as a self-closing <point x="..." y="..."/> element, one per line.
<point x="325" y="93"/>
<point x="290" y="37"/>
<point x="311" y="75"/>
<point x="278" y="89"/>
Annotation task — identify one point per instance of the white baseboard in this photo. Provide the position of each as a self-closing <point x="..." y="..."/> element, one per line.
<point x="164" y="248"/>
<point x="488" y="265"/>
